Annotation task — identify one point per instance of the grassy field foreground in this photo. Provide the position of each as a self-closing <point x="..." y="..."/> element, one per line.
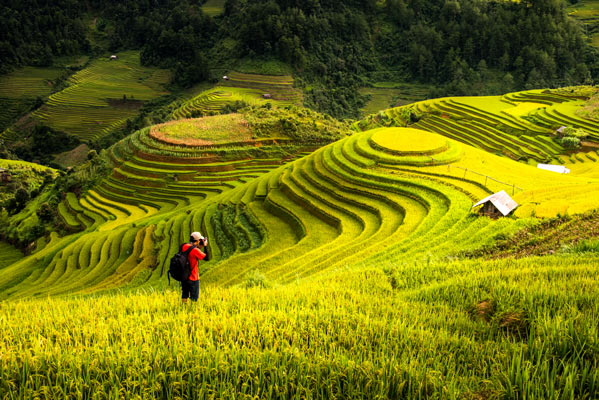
<point x="511" y="329"/>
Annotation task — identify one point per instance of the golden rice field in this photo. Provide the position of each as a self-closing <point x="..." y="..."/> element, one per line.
<point x="410" y="141"/>
<point x="410" y="205"/>
<point x="338" y="271"/>
<point x="507" y="329"/>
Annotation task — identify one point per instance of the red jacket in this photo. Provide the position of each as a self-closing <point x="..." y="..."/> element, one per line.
<point x="194" y="256"/>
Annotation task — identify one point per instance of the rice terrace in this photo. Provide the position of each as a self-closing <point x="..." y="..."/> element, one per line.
<point x="370" y="224"/>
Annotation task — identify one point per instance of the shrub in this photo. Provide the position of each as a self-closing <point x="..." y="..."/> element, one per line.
<point x="256" y="279"/>
<point x="583" y="246"/>
<point x="570" y="142"/>
<point x="575" y="132"/>
<point x="45" y="212"/>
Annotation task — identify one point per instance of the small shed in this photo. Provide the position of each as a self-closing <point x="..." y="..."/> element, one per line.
<point x="225" y="78"/>
<point x="267" y="96"/>
<point x="560" y="131"/>
<point x="560" y="169"/>
<point x="497" y="204"/>
<point x="113" y="57"/>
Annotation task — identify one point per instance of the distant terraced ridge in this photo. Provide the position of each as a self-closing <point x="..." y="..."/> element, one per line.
<point x="151" y="177"/>
<point x="489" y="123"/>
<point x="28" y="82"/>
<point x="250" y="88"/>
<point x="19" y="91"/>
<point x="102" y="96"/>
<point x="279" y="87"/>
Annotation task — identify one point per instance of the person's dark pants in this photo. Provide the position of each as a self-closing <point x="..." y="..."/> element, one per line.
<point x="190" y="290"/>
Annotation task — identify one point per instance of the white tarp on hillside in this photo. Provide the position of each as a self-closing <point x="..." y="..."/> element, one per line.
<point x="501" y="200"/>
<point x="560" y="169"/>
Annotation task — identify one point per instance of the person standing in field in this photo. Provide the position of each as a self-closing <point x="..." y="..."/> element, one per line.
<point x="190" y="288"/>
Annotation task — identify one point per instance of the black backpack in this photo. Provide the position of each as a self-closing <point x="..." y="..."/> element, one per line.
<point x="180" y="268"/>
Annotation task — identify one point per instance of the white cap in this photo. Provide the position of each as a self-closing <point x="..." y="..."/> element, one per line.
<point x="197" y="236"/>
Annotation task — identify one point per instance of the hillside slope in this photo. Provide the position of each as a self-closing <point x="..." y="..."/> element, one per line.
<point x="372" y="198"/>
<point x="336" y="270"/>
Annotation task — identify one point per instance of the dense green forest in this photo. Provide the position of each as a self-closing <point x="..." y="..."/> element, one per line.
<point x="462" y="47"/>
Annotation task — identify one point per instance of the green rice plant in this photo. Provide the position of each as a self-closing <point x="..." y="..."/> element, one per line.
<point x="58" y="271"/>
<point x="301" y="198"/>
<point x="286" y="240"/>
<point x="369" y="226"/>
<point x="90" y="208"/>
<point x="225" y="242"/>
<point x="127" y="248"/>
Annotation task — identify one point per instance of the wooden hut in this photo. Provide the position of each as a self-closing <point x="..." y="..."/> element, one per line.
<point x="267" y="96"/>
<point x="560" y="132"/>
<point x="497" y="205"/>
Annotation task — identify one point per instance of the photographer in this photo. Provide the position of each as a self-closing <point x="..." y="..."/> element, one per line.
<point x="190" y="288"/>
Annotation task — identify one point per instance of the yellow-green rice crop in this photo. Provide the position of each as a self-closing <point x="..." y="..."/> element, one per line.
<point x="351" y="253"/>
<point x="502" y="329"/>
<point x="409" y="141"/>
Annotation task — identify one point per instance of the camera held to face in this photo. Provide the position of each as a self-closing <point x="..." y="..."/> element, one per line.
<point x="197" y="237"/>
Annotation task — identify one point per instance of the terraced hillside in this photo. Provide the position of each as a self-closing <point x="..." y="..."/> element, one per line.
<point x="587" y="12"/>
<point x="407" y="193"/>
<point x="153" y="176"/>
<point x="336" y="271"/>
<point x="19" y="91"/>
<point x="384" y="95"/>
<point x="102" y="96"/>
<point x="241" y="87"/>
<point x="521" y="125"/>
